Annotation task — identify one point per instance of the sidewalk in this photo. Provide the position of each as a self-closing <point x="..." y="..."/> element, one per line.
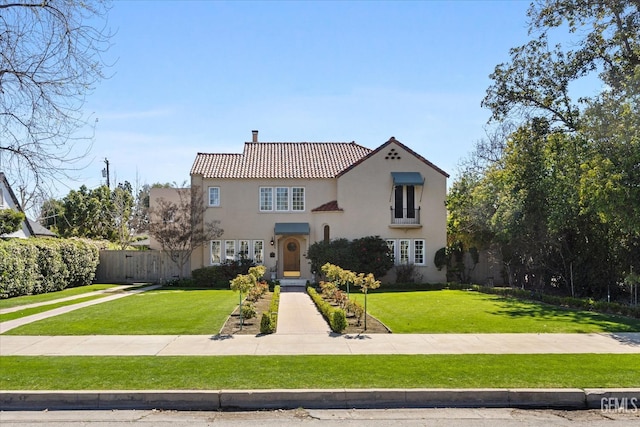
<point x="294" y="344"/>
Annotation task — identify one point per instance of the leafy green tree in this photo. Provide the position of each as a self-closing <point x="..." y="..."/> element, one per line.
<point x="559" y="196"/>
<point x="605" y="39"/>
<point x="10" y="221"/>
<point x="122" y="205"/>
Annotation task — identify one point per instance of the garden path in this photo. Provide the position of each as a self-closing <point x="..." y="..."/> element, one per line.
<point x="297" y="314"/>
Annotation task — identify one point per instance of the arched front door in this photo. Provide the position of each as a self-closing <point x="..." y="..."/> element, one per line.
<point x="291" y="258"/>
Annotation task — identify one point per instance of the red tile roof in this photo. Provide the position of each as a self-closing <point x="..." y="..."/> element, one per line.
<point x="331" y="206"/>
<point x="281" y="160"/>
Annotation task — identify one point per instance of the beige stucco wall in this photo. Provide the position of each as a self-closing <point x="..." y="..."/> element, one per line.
<point x="240" y="216"/>
<point x="364" y="194"/>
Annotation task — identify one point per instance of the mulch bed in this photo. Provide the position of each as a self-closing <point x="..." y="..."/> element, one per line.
<point x="252" y="326"/>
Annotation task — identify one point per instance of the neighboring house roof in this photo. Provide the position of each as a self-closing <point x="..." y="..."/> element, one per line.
<point x="15" y="203"/>
<point x="39" y="230"/>
<point x="281" y="160"/>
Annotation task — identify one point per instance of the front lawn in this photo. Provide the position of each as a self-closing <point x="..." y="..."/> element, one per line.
<point x="159" y="312"/>
<point x="453" y="311"/>
<point x="321" y="372"/>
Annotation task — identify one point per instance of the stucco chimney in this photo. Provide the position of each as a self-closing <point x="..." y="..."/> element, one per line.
<point x="255" y="135"/>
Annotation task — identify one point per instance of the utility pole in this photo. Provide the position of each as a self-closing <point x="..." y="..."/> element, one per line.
<point x="105" y="172"/>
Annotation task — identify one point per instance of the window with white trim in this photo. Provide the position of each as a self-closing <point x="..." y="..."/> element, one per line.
<point x="282" y="198"/>
<point x="258" y="251"/>
<point x="243" y="251"/>
<point x="216" y="252"/>
<point x="391" y="244"/>
<point x="230" y="250"/>
<point x="418" y="252"/>
<point x="214" y="196"/>
<point x="404" y="247"/>
<point x="266" y="198"/>
<point x="297" y="198"/>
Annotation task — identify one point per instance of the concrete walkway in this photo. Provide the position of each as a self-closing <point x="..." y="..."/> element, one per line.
<point x="113" y="290"/>
<point x="297" y="314"/>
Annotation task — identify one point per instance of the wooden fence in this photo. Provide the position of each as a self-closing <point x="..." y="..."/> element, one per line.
<point x="138" y="266"/>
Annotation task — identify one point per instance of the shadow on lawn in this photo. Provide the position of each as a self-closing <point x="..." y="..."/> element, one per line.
<point x="515" y="308"/>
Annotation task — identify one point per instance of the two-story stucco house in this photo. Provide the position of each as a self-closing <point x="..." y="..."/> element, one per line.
<point x="277" y="198"/>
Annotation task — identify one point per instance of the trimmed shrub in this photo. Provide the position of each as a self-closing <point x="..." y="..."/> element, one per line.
<point x="218" y="276"/>
<point x="30" y="266"/>
<point x="269" y="320"/>
<point x="364" y="255"/>
<point x="267" y="324"/>
<point x="338" y="321"/>
<point x="335" y="317"/>
<point x="248" y="311"/>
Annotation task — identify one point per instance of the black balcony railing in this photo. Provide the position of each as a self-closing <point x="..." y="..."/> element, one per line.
<point x="410" y="216"/>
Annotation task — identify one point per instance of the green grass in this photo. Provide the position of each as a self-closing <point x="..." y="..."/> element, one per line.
<point x="158" y="312"/>
<point x="35" y="310"/>
<point x="453" y="311"/>
<point x="273" y="372"/>
<point x="32" y="299"/>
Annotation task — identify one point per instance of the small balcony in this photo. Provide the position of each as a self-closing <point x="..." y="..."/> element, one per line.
<point x="405" y="218"/>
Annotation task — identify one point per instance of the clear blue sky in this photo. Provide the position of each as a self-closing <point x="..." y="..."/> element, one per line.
<point x="199" y="76"/>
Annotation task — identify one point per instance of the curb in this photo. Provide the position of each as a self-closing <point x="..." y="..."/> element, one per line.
<point x="214" y="400"/>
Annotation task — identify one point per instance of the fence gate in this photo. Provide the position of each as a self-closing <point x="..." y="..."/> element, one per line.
<point x="138" y="266"/>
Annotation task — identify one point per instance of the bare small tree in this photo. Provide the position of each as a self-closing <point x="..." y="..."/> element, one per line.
<point x="179" y="227"/>
<point x="50" y="59"/>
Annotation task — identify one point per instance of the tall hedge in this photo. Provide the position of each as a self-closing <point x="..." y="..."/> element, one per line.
<point x="35" y="266"/>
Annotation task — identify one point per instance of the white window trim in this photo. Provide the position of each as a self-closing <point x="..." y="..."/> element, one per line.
<point x="270" y="192"/>
<point x="274" y="206"/>
<point x="293" y="208"/>
<point x="209" y="194"/>
<point x="287" y="201"/>
<point x="239" y="253"/>
<point x="415" y="252"/>
<point x="235" y="252"/>
<point x="253" y="251"/>
<point x="211" y="261"/>
<point x="408" y="259"/>
<point x="394" y="248"/>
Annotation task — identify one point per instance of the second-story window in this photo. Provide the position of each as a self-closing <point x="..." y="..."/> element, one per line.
<point x="214" y="196"/>
<point x="297" y="198"/>
<point x="266" y="198"/>
<point x="282" y="199"/>
<point x="405" y="201"/>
